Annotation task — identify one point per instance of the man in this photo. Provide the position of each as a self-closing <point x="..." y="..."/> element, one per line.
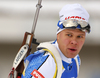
<point x="45" y="62"/>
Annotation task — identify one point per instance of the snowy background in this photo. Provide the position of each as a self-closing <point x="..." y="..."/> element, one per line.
<point x="16" y="18"/>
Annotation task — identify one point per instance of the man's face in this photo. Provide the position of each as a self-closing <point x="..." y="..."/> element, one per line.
<point x="70" y="41"/>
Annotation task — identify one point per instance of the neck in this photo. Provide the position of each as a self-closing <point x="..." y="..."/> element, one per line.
<point x="64" y="58"/>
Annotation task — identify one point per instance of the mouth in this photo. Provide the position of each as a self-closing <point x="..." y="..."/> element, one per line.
<point x="72" y="49"/>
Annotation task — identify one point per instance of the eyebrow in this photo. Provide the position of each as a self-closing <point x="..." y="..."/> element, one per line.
<point x="78" y="34"/>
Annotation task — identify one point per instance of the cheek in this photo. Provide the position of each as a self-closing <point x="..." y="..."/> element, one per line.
<point x="81" y="43"/>
<point x="63" y="40"/>
<point x="66" y="41"/>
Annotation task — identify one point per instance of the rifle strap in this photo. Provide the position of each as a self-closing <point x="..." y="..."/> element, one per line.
<point x="56" y="54"/>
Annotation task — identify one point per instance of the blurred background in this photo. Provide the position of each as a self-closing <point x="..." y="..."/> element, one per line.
<point x="16" y="18"/>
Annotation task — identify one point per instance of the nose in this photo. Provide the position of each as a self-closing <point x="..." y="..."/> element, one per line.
<point x="74" y="41"/>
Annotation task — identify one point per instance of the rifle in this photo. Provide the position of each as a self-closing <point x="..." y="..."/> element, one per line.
<point x="26" y="46"/>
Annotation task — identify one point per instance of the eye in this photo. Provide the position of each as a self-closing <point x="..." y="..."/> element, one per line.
<point x="80" y="36"/>
<point x="69" y="35"/>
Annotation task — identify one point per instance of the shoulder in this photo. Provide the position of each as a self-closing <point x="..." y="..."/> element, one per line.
<point x="48" y="67"/>
<point x="77" y="57"/>
<point x="41" y="61"/>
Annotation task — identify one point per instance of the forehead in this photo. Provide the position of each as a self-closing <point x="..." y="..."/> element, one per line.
<point x="73" y="31"/>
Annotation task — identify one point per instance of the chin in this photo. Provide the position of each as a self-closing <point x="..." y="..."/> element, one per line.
<point x="71" y="56"/>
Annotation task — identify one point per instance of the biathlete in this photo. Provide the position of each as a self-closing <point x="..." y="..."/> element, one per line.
<point x="60" y="58"/>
